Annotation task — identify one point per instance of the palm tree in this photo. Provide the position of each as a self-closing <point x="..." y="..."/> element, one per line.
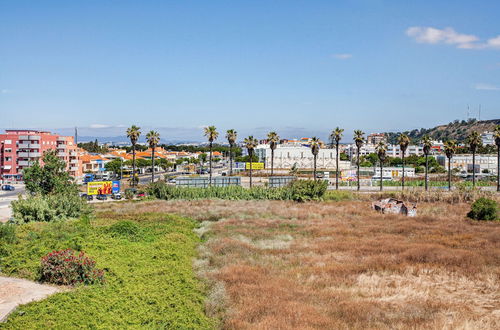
<point x="496" y="134"/>
<point x="153" y="139"/>
<point x="273" y="139"/>
<point x="315" y="144"/>
<point x="358" y="140"/>
<point x="133" y="134"/>
<point x="449" y="149"/>
<point x="403" y="141"/>
<point x="474" y="140"/>
<point x="381" y="151"/>
<point x="250" y="144"/>
<point x="337" y="136"/>
<point x="427" y="145"/>
<point x="231" y="136"/>
<point x="211" y="134"/>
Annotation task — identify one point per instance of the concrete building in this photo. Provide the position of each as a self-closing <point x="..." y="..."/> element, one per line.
<point x="288" y="155"/>
<point x="394" y="150"/>
<point x="375" y="138"/>
<point x="20" y="149"/>
<point x="487" y="138"/>
<point x="463" y="162"/>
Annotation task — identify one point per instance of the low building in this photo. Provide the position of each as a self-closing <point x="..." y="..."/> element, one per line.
<point x="463" y="162"/>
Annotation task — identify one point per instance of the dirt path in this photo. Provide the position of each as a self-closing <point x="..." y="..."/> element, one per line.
<point x="15" y="292"/>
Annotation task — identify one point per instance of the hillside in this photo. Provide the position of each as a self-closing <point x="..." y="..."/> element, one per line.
<point x="457" y="130"/>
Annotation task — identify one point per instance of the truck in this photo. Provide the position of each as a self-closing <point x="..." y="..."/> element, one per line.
<point x="89" y="177"/>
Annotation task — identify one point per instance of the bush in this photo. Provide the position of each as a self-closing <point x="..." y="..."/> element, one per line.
<point x="7" y="234"/>
<point x="307" y="190"/>
<point x="49" y="208"/>
<point x="484" y="209"/>
<point x="126" y="229"/>
<point x="65" y="268"/>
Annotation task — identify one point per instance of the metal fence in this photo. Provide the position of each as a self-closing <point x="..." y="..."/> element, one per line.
<point x="203" y="182"/>
<point x="280" y="181"/>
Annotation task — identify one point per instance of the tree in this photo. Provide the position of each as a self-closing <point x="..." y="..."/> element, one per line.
<point x="231" y="136"/>
<point x="381" y="151"/>
<point x="449" y="149"/>
<point x="336" y="136"/>
<point x="49" y="178"/>
<point x="315" y="143"/>
<point x="133" y="134"/>
<point x="273" y="139"/>
<point x="427" y="145"/>
<point x="358" y="140"/>
<point x="474" y="141"/>
<point x="211" y="134"/>
<point x="496" y="135"/>
<point x="403" y="141"/>
<point x="114" y="166"/>
<point x="153" y="139"/>
<point x="250" y="143"/>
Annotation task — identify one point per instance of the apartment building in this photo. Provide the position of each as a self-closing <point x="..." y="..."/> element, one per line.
<point x="20" y="149"/>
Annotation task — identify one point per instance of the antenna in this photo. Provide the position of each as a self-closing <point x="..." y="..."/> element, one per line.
<point x="76" y="135"/>
<point x="480" y="112"/>
<point x="467" y="112"/>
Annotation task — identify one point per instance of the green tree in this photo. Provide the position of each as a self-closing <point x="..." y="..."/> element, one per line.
<point x="403" y="141"/>
<point x="381" y="151"/>
<point x="211" y="134"/>
<point x="250" y="143"/>
<point x="315" y="143"/>
<point x="153" y="138"/>
<point x="474" y="141"/>
<point x="358" y="140"/>
<point x="133" y="134"/>
<point x="231" y="136"/>
<point x="449" y="149"/>
<point x="49" y="178"/>
<point x="273" y="139"/>
<point x="427" y="145"/>
<point x="336" y="136"/>
<point x="114" y="166"/>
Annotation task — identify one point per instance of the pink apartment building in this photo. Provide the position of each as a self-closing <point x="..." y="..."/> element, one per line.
<point x="21" y="148"/>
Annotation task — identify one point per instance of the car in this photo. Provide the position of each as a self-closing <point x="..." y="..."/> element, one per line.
<point x="8" y="187"/>
<point x="87" y="197"/>
<point x="102" y="197"/>
<point x="141" y="194"/>
<point x="116" y="196"/>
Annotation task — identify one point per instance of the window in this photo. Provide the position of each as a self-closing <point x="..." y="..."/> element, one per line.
<point x="8" y="142"/>
<point x="8" y="159"/>
<point x="8" y="150"/>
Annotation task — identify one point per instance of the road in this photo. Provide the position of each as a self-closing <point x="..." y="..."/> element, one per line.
<point x="6" y="197"/>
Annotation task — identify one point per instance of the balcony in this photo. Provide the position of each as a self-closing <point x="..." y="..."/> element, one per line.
<point x="61" y="138"/>
<point x="25" y="163"/>
<point x="29" y="146"/>
<point x="73" y="153"/>
<point x="74" y="161"/>
<point x="34" y="137"/>
<point x="62" y="154"/>
<point x="62" y="146"/>
<point x="73" y="168"/>
<point x="25" y="154"/>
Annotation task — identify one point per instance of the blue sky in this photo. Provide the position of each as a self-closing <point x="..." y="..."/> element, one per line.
<point x="298" y="67"/>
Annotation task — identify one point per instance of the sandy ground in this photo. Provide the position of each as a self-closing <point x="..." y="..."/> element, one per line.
<point x="15" y="292"/>
<point x="5" y="213"/>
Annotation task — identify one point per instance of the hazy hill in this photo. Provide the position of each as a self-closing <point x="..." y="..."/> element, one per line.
<point x="457" y="130"/>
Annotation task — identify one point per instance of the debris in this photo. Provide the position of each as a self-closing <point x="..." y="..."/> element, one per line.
<point x="395" y="206"/>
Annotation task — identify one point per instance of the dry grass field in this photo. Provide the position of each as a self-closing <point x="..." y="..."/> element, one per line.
<point x="338" y="265"/>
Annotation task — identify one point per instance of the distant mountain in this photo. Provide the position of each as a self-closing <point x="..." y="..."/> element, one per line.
<point x="456" y="130"/>
<point x="124" y="140"/>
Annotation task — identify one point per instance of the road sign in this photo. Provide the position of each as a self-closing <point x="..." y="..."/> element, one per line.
<point x="255" y="166"/>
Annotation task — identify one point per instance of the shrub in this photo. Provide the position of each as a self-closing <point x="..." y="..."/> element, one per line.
<point x="129" y="194"/>
<point x="306" y="190"/>
<point x="7" y="234"/>
<point x="65" y="268"/>
<point x="49" y="208"/>
<point x="484" y="209"/>
<point x="126" y="229"/>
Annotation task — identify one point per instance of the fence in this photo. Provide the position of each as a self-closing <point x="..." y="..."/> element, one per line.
<point x="280" y="181"/>
<point x="203" y="182"/>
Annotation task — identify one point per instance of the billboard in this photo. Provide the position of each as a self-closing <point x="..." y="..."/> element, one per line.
<point x="255" y="166"/>
<point x="103" y="187"/>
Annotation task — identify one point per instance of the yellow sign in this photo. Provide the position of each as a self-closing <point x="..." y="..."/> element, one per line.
<point x="255" y="166"/>
<point x="99" y="187"/>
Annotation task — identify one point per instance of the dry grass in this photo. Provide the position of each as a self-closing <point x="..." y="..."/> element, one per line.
<point x="283" y="265"/>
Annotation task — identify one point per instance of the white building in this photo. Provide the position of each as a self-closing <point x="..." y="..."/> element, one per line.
<point x="393" y="150"/>
<point x="487" y="138"/>
<point x="286" y="156"/>
<point x="463" y="162"/>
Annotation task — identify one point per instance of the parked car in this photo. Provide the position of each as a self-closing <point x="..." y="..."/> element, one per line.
<point x="116" y="196"/>
<point x="141" y="194"/>
<point x="87" y="197"/>
<point x="102" y="197"/>
<point x="8" y="187"/>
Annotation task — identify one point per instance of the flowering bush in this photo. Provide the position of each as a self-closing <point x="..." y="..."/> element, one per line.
<point x="65" y="268"/>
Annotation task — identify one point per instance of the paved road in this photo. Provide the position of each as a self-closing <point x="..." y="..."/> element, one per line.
<point x="6" y="197"/>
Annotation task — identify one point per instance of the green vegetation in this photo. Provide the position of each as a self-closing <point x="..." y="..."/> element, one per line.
<point x="147" y="262"/>
<point x="93" y="147"/>
<point x="484" y="209"/>
<point x="299" y="190"/>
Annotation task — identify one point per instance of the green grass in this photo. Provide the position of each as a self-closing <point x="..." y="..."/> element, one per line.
<point x="149" y="278"/>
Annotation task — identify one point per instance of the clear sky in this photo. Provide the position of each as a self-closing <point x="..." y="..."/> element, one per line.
<point x="299" y="67"/>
